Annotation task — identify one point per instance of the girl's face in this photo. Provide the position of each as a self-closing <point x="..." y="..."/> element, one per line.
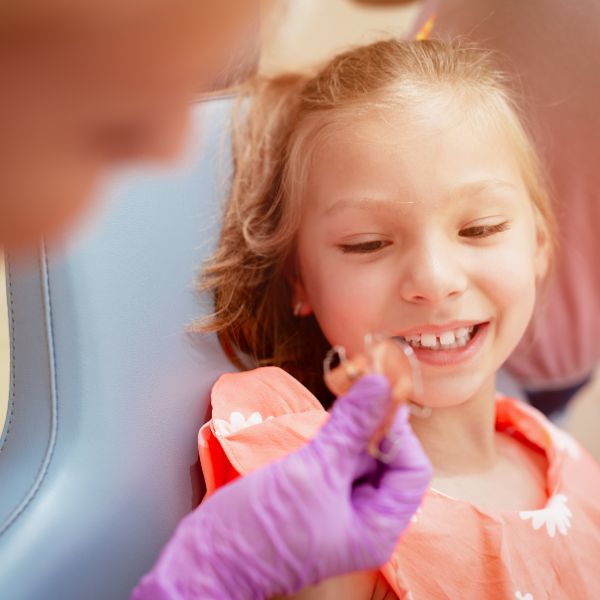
<point x="421" y="228"/>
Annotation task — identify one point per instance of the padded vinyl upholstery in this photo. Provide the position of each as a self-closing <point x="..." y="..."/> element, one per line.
<point x="98" y="458"/>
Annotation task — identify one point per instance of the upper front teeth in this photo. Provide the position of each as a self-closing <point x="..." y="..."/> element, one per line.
<point x="447" y="339"/>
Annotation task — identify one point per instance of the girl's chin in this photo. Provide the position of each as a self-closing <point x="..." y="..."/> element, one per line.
<point x="453" y="395"/>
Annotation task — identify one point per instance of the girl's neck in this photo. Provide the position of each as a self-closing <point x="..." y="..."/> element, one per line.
<point x="461" y="440"/>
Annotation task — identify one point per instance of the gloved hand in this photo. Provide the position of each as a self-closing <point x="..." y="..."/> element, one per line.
<point x="324" y="510"/>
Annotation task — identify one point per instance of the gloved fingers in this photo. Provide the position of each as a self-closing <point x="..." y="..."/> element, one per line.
<point x="402" y="481"/>
<point x="380" y="520"/>
<point x="365" y="469"/>
<point x="355" y="418"/>
<point x="405" y="485"/>
<point x="395" y="498"/>
<point x="401" y="446"/>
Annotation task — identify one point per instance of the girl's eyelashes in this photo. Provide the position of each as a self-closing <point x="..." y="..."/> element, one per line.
<point x="364" y="247"/>
<point x="482" y="231"/>
<point x="473" y="231"/>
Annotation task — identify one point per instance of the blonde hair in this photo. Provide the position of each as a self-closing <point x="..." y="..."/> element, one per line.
<point x="272" y="145"/>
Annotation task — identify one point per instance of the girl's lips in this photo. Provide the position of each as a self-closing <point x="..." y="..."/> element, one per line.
<point x="454" y="356"/>
<point x="435" y="329"/>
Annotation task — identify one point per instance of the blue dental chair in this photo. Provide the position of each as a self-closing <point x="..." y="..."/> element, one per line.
<point x="98" y="458"/>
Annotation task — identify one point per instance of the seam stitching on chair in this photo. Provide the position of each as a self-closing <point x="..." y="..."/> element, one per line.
<point x="43" y="470"/>
<point x="11" y="402"/>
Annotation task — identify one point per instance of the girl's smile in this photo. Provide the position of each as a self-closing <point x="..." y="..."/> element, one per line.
<point x="447" y="345"/>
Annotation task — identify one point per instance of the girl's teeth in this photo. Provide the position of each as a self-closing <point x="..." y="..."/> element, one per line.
<point x="429" y="340"/>
<point x="447" y="340"/>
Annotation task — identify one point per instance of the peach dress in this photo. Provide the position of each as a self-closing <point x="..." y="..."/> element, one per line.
<point x="451" y="549"/>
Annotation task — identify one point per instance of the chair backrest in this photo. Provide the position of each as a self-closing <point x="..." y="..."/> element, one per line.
<point x="98" y="458"/>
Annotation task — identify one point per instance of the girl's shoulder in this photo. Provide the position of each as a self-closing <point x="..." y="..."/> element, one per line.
<point x="258" y="416"/>
<point x="515" y="415"/>
<point x="266" y="389"/>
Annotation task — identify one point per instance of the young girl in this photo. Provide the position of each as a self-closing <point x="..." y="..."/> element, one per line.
<point x="396" y="192"/>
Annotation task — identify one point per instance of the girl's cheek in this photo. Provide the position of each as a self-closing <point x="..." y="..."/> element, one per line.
<point x="362" y="294"/>
<point x="514" y="258"/>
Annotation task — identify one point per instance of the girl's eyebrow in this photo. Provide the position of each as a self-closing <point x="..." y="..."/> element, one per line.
<point x="476" y="188"/>
<point x="364" y="203"/>
<point x="467" y="190"/>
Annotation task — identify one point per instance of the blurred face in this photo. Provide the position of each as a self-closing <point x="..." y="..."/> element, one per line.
<point x="420" y="227"/>
<point x="89" y="85"/>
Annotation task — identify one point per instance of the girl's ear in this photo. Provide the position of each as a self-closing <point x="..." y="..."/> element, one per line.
<point x="300" y="305"/>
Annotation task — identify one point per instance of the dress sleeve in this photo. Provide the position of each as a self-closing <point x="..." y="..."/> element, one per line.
<point x="258" y="417"/>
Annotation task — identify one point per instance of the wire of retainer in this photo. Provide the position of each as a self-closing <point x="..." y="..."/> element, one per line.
<point x="417" y="392"/>
<point x="352" y="374"/>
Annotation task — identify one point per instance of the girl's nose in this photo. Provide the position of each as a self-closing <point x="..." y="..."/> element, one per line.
<point x="433" y="273"/>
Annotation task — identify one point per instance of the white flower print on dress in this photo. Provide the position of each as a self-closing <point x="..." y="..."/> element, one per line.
<point x="526" y="596"/>
<point x="236" y="423"/>
<point x="556" y="515"/>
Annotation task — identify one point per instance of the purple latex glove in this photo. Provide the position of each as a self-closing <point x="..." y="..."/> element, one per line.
<point x="325" y="510"/>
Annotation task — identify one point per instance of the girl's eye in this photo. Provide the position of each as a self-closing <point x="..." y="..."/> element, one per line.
<point x="364" y="247"/>
<point x="482" y="231"/>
